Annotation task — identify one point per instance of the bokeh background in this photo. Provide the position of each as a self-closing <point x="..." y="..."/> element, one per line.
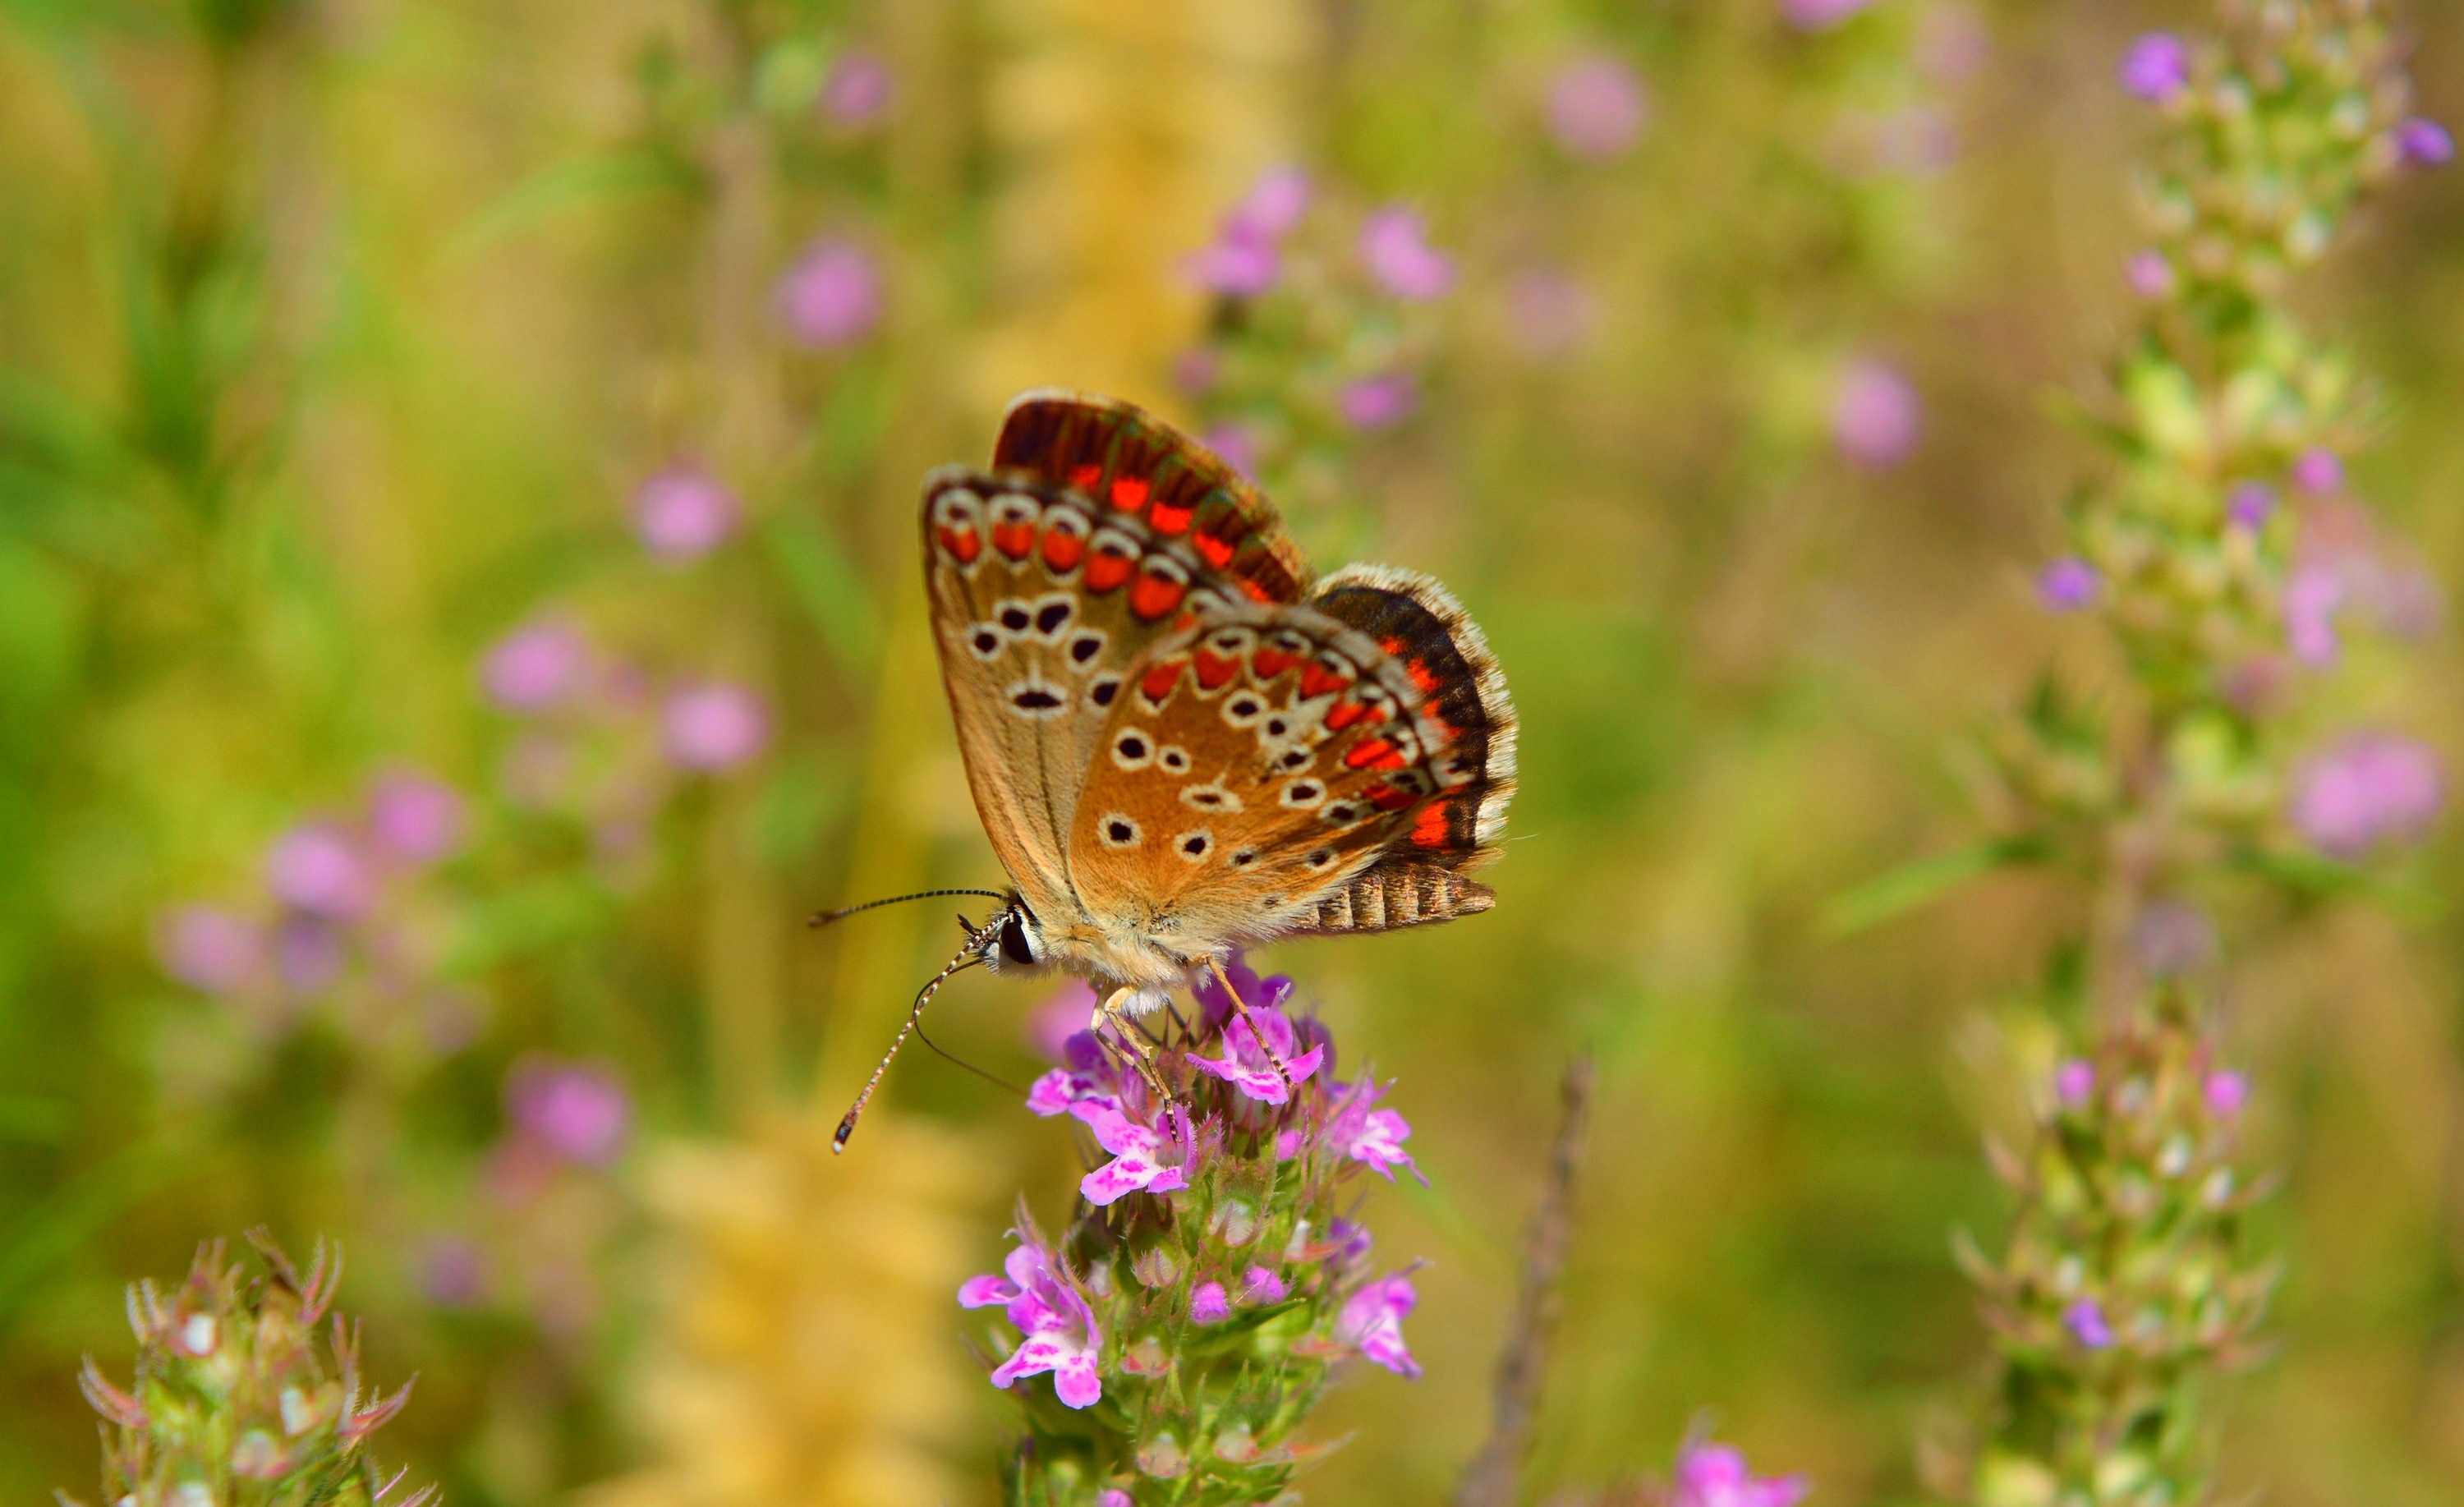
<point x="459" y="613"/>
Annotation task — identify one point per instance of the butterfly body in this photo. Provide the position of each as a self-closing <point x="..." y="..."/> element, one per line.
<point x="1179" y="745"/>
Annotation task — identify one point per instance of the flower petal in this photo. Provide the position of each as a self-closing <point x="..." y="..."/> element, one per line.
<point x="982" y="1291"/>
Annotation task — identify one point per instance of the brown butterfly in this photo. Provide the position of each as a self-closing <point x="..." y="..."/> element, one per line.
<point x="1178" y="742"/>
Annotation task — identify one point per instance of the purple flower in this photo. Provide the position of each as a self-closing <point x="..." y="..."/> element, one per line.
<point x="1372" y="1321"/>
<point x="2074" y="1081"/>
<point x="414" y="818"/>
<point x="1715" y="1476"/>
<point x="1115" y="1496"/>
<point x="1237" y="266"/>
<point x="1394" y="248"/>
<point x="1260" y="1284"/>
<point x="2068" y="584"/>
<point x="1208" y="1303"/>
<point x="2085" y="1321"/>
<point x="1063" y="1014"/>
<point x="2370" y="787"/>
<point x="2226" y="1092"/>
<point x="1372" y="1137"/>
<point x="2424" y="142"/>
<point x="2249" y="504"/>
<point x="1275" y="206"/>
<point x="2312" y="593"/>
<point x="1596" y="107"/>
<point x="535" y="666"/>
<point x="2148" y="273"/>
<point x="1246" y="1064"/>
<point x="2157" y="68"/>
<point x="683" y="512"/>
<point x="1819" y="16"/>
<point x="315" y="867"/>
<point x="858" y="90"/>
<point x="1258" y="994"/>
<point x="1549" y="313"/>
<point x="1138" y="1153"/>
<point x="1874" y="414"/>
<point x="1236" y="445"/>
<point x="1374" y="402"/>
<point x="2318" y="470"/>
<point x="308" y="954"/>
<point x="578" y="1111"/>
<point x="831" y="295"/>
<point x="209" y="948"/>
<point x="1086" y="1076"/>
<point x="1243" y="261"/>
<point x="715" y="726"/>
<point x="1057" y="1323"/>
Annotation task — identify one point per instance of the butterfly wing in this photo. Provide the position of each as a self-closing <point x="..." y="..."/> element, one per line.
<point x="1043" y="598"/>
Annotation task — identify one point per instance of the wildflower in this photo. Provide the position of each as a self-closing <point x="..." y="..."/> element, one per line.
<point x="2424" y="142"/>
<point x="2370" y="787"/>
<point x="859" y="89"/>
<point x="2249" y="504"/>
<point x="1208" y="1303"/>
<point x="1137" y="1156"/>
<point x="2068" y="584"/>
<point x="1393" y="247"/>
<point x="314" y="868"/>
<point x="2157" y="68"/>
<point x="308" y="954"/>
<point x="2226" y="1091"/>
<point x="415" y="818"/>
<point x="831" y="295"/>
<point x="2312" y="593"/>
<point x="1375" y="403"/>
<point x="1244" y="261"/>
<point x="1253" y="1043"/>
<point x="1372" y="1321"/>
<point x="1372" y="1137"/>
<point x="1237" y="446"/>
<point x="1596" y="107"/>
<point x="579" y="1112"/>
<point x="683" y="512"/>
<point x="2149" y="273"/>
<point x="1819" y="16"/>
<point x="1549" y="313"/>
<point x="1237" y="266"/>
<point x="1260" y="1284"/>
<point x="2319" y="471"/>
<point x="1057" y="1324"/>
<point x="1086" y="1076"/>
<point x="209" y="948"/>
<point x="1874" y="414"/>
<point x="1274" y="205"/>
<point x="715" y="726"/>
<point x="536" y="666"/>
<point x="2085" y="1321"/>
<point x="1715" y="1476"/>
<point x="2074" y="1081"/>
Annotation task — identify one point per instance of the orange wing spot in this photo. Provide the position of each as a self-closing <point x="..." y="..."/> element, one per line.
<point x="1448" y="732"/>
<point x="1392" y="646"/>
<point x="1108" y="570"/>
<point x="1343" y="714"/>
<point x="1372" y="754"/>
<point x="964" y="543"/>
<point x="1429" y="828"/>
<point x="1386" y="798"/>
<point x="1215" y="671"/>
<point x="1013" y="539"/>
<point x="1153" y="596"/>
<point x="1158" y="683"/>
<point x="1063" y="550"/>
<point x="1266" y="664"/>
<point x="1420" y="676"/>
<point x="1166" y="517"/>
<point x="1085" y="477"/>
<point x="1255" y="592"/>
<point x="1129" y="492"/>
<point x="1316" y="680"/>
<point x="1218" y="552"/>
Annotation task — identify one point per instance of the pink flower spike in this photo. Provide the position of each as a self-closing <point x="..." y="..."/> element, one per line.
<point x="1394" y="248"/>
<point x="2226" y="1092"/>
<point x="1086" y="1076"/>
<point x="578" y="1111"/>
<point x="859" y="90"/>
<point x="2150" y="275"/>
<point x="1596" y="107"/>
<point x="1237" y="266"/>
<point x="2157" y="68"/>
<point x="987" y="1291"/>
<point x="2086" y="1323"/>
<point x="1715" y="1476"/>
<point x="1245" y="1065"/>
<point x="1138" y="1157"/>
<point x="210" y="949"/>
<point x="683" y="512"/>
<point x="316" y="868"/>
<point x="2370" y="787"/>
<point x="2074" y="1081"/>
<point x="1260" y="1284"/>
<point x="2424" y="142"/>
<point x="2319" y="471"/>
<point x="1874" y="414"/>
<point x="1057" y="1323"/>
<point x="1372" y="1321"/>
<point x="1209" y="1304"/>
<point x="414" y="818"/>
<point x="832" y="297"/>
<point x="536" y="666"/>
<point x="713" y="726"/>
<point x="1377" y="402"/>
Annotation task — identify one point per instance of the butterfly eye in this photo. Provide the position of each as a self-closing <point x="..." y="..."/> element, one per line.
<point x="1017" y="944"/>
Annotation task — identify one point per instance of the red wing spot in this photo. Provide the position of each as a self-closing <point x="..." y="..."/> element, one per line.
<point x="1255" y="592"/>
<point x="1386" y="798"/>
<point x="1166" y="517"/>
<point x="1129" y="492"/>
<point x="1266" y="664"/>
<point x="1013" y="539"/>
<point x="1429" y="828"/>
<point x="1085" y="477"/>
<point x="1217" y="552"/>
<point x="1316" y="680"/>
<point x="1343" y="714"/>
<point x="1372" y="753"/>
<point x="1063" y="550"/>
<point x="1215" y="671"/>
<point x="1153" y="596"/>
<point x="1158" y="683"/>
<point x="1392" y="646"/>
<point x="1108" y="570"/>
<point x="1421" y="677"/>
<point x="964" y="543"/>
<point x="1448" y="732"/>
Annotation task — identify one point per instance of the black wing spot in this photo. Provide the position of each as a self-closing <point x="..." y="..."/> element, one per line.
<point x="1297" y="757"/>
<point x="1244" y="858"/>
<point x="986" y="641"/>
<point x="1083" y="647"/>
<point x="1035" y="698"/>
<point x="1102" y="692"/>
<point x="1015" y="618"/>
<point x="1049" y="617"/>
<point x="1321" y="858"/>
<point x="1276" y="727"/>
<point x="1174" y="760"/>
<point x="1195" y="844"/>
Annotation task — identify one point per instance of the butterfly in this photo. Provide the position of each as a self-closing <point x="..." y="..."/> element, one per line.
<point x="1179" y="742"/>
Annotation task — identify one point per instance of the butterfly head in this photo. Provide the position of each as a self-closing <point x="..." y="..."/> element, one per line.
<point x="1013" y="941"/>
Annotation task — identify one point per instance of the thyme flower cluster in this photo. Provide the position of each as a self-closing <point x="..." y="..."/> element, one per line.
<point x="1189" y="1315"/>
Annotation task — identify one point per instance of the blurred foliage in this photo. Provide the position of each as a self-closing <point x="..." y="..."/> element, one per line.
<point x="336" y="336"/>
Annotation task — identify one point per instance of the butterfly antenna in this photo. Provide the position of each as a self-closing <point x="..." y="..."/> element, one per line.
<point x="824" y="918"/>
<point x="968" y="958"/>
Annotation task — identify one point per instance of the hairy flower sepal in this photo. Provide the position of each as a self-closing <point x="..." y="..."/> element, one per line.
<point x="1221" y="1284"/>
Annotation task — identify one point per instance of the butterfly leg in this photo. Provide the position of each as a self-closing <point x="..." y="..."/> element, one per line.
<point x="1223" y="981"/>
<point x="1113" y="1011"/>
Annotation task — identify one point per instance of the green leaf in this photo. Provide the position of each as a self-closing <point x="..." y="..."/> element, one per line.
<point x="1912" y="884"/>
<point x="577" y="183"/>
